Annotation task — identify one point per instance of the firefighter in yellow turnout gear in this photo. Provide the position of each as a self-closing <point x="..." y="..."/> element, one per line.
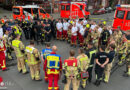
<point x="83" y="61"/>
<point x="19" y="51"/>
<point x="70" y="69"/>
<point x="127" y="73"/>
<point x="17" y="29"/>
<point x="8" y="45"/>
<point x="34" y="61"/>
<point x="123" y="47"/>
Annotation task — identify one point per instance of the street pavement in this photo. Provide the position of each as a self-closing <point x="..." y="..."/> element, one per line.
<point x="14" y="80"/>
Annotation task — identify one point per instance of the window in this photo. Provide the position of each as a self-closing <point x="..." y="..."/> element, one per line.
<point x="16" y="11"/>
<point x="67" y="7"/>
<point x="81" y="7"/>
<point x="120" y="14"/>
<point x="128" y="15"/>
<point x="27" y="10"/>
<point x="35" y="10"/>
<point x="86" y="9"/>
<point x="62" y="7"/>
<point x="42" y="11"/>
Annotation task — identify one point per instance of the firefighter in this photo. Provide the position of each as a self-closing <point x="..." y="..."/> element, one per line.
<point x="17" y="29"/>
<point x="20" y="52"/>
<point x="83" y="66"/>
<point x="59" y="27"/>
<point x="65" y="29"/>
<point x="87" y="36"/>
<point x="44" y="54"/>
<point x="81" y="35"/>
<point x="105" y="36"/>
<point x="101" y="61"/>
<point x="33" y="57"/>
<point x="2" y="55"/>
<point x="127" y="72"/>
<point x="108" y="67"/>
<point x="91" y="55"/>
<point x="71" y="71"/>
<point x="47" y="33"/>
<point x="53" y="67"/>
<point x="69" y="33"/>
<point x="7" y="45"/>
<point x="122" y="49"/>
<point x="25" y="27"/>
<point x="74" y="35"/>
<point x="95" y="36"/>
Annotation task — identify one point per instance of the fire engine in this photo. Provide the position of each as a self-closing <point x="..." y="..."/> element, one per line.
<point x="21" y="12"/>
<point x="74" y="9"/>
<point x="122" y="17"/>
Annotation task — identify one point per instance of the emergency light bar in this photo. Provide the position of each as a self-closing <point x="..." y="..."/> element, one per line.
<point x="127" y="6"/>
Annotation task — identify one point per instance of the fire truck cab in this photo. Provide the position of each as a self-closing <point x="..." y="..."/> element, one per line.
<point x="74" y="9"/>
<point x="122" y="17"/>
<point x="21" y="12"/>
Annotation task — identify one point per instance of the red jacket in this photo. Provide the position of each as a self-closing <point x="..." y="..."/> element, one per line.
<point x="53" y="71"/>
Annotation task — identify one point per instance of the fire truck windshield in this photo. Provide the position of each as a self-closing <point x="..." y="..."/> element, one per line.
<point x="42" y="11"/>
<point x="62" y="7"/>
<point x="128" y="15"/>
<point x="16" y="11"/>
<point x="120" y="14"/>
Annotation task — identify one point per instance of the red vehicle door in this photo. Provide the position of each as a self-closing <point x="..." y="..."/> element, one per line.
<point x="67" y="11"/>
<point x="17" y="13"/>
<point x="119" y="18"/>
<point x="74" y="10"/>
<point x="126" y="22"/>
<point x="62" y="11"/>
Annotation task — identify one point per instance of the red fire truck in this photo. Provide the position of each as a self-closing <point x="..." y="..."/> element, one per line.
<point x="74" y="9"/>
<point x="28" y="11"/>
<point x="122" y="17"/>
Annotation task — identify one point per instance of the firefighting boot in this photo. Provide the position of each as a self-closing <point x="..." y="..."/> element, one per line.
<point x="10" y="57"/>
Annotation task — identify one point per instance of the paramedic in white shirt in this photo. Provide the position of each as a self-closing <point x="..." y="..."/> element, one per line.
<point x="81" y="35"/>
<point x="109" y="29"/>
<point x="74" y="34"/>
<point x="1" y="31"/>
<point x="84" y="21"/>
<point x="59" y="27"/>
<point x="65" y="29"/>
<point x="93" y="25"/>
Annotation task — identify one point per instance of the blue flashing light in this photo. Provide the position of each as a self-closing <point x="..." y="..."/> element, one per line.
<point x="118" y="5"/>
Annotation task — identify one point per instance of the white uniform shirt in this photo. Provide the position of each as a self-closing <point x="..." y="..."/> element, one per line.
<point x="59" y="26"/>
<point x="77" y="20"/>
<point x="1" y="32"/>
<point x="65" y="26"/>
<point x="110" y="31"/>
<point x="78" y="25"/>
<point x="100" y="29"/>
<point x="93" y="26"/>
<point x="82" y="31"/>
<point x="74" y="31"/>
<point x="84" y="22"/>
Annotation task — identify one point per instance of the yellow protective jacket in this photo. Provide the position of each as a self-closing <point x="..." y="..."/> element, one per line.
<point x="32" y="54"/>
<point x="18" y="46"/>
<point x="83" y="61"/>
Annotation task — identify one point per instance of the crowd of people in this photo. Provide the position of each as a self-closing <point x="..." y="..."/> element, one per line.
<point x="99" y="44"/>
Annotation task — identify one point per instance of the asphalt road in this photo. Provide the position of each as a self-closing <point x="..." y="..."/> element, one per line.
<point x="14" y="80"/>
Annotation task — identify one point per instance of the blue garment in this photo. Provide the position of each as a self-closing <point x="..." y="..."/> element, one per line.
<point x="45" y="52"/>
<point x="53" y="61"/>
<point x="111" y="55"/>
